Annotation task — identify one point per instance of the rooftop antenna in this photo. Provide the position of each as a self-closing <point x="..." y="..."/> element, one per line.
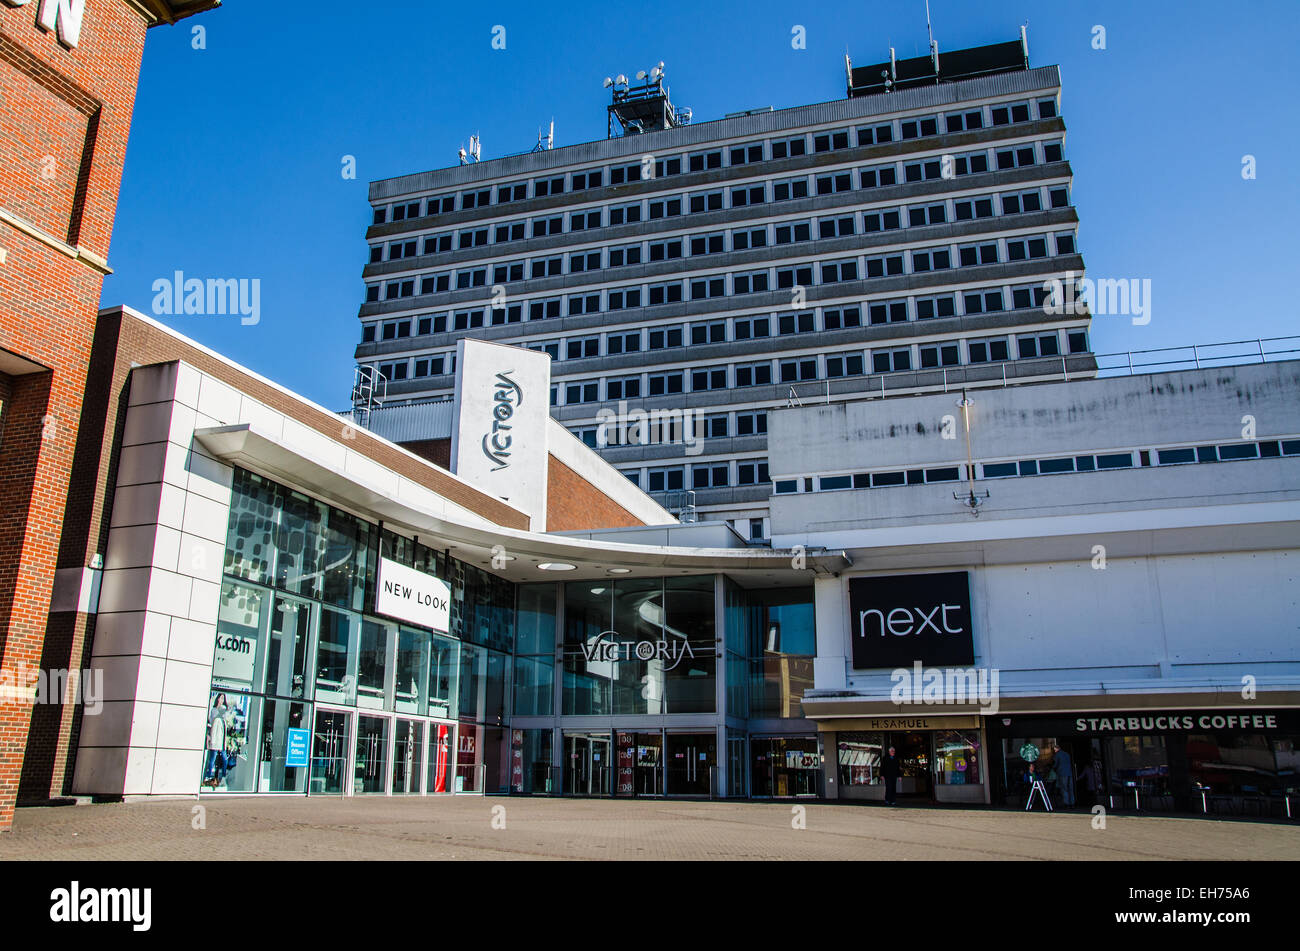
<point x="475" y="147"/>
<point x="934" y="48"/>
<point x="972" y="500"/>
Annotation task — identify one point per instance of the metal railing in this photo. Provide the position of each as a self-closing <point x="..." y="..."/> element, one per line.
<point x="1199" y="356"/>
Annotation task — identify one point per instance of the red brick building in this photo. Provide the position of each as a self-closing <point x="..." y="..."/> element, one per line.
<point x="68" y="74"/>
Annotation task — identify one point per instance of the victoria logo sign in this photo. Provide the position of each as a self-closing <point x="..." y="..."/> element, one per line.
<point x="900" y="620"/>
<point x="607" y="647"/>
<point x="507" y="396"/>
<point x="411" y="595"/>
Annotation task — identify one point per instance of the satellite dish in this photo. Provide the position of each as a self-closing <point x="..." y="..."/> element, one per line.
<point x="608" y="82"/>
<point x="622" y="80"/>
<point x="656" y="73"/>
<point x="640" y="74"/>
<point x="661" y="66"/>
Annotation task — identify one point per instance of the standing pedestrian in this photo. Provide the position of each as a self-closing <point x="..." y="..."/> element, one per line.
<point x="1064" y="776"/>
<point x="890" y="769"/>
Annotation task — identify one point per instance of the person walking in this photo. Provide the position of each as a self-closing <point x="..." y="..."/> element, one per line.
<point x="891" y="769"/>
<point x="1064" y="776"/>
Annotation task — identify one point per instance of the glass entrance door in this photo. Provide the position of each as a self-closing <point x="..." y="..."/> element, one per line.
<point x="915" y="757"/>
<point x="329" y="753"/>
<point x="442" y="744"/>
<point x="647" y="770"/>
<point x="408" y="750"/>
<point x="691" y="758"/>
<point x="587" y="767"/>
<point x="369" y="770"/>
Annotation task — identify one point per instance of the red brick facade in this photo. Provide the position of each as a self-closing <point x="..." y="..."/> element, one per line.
<point x="573" y="503"/>
<point x="65" y="116"/>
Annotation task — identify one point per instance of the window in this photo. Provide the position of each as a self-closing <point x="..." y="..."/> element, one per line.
<point x="924" y="171"/>
<point x="929" y="307"/>
<point x="874" y="221"/>
<point x="844" y="364"/>
<point x="547" y="226"/>
<point x="624" y="214"/>
<point x="409" y="210"/>
<point x="441" y="205"/>
<point x="964" y="121"/>
<point x="666" y="250"/>
<point x="935" y="259"/>
<point x="584" y="180"/>
<point x="624" y="297"/>
<point x="789" y="148"/>
<point x="752" y="422"/>
<point x="662" y="384"/>
<point x="474" y="277"/>
<point x="705" y="161"/>
<point x="939" y="355"/>
<point x="515" y="192"/>
<point x="705" y="201"/>
<point x="437" y="243"/>
<point x="926" y="215"/>
<point x="381" y="215"/>
<point x="1019" y="157"/>
<point x="436" y="283"/>
<point x="1115" y="460"/>
<point x="1019" y="202"/>
<point x="476" y="199"/>
<point x="584" y="304"/>
<point x="628" y="342"/>
<point x="1033" y="295"/>
<point x="1038" y="345"/>
<point x="889" y="264"/>
<point x="795" y="371"/>
<point x="630" y="254"/>
<point x="587" y="392"/>
<point x="830" y="141"/>
<point x="432" y="323"/>
<point x="1052" y="151"/>
<point x="622" y="174"/>
<point x="753" y="473"/>
<point x="918" y="128"/>
<point x="748" y="195"/>
<point x="549" y="347"/>
<point x="972" y="163"/>
<point x="711" y="476"/>
<point x="1064" y="243"/>
<point x="544" y="309"/>
<point x="835" y="272"/>
<point x="754" y="282"/>
<point x="835" y="227"/>
<point x="875" y="135"/>
<point x="752" y="328"/>
<point x="752" y="374"/>
<point x="368" y="333"/>
<point x="467" y="319"/>
<point x="584" y="261"/>
<point x="576" y="348"/>
<point x="887" y="312"/>
<point x="838" y="318"/>
<point x="991" y="350"/>
<point x="793" y="231"/>
<point x="547" y="267"/>
<point x="708" y="378"/>
<point x="1006" y="114"/>
<point x="665" y="338"/>
<point x="671" y="166"/>
<point x="508" y="314"/>
<point x="474" y="238"/>
<point x="665" y="208"/>
<point x="803" y="322"/>
<point x="626" y="388"/>
<point x="878" y="177"/>
<point x="510" y="231"/>
<point x="702" y="288"/>
<point x="432" y="366"/>
<point x="886" y="361"/>
<point x="708" y="244"/>
<point x="745" y="154"/>
<point x="668" y="479"/>
<point x="800" y="276"/>
<point x="982" y="301"/>
<point x="548" y="186"/>
<point x="401" y="249"/>
<point x="1078" y="340"/>
<point x="831" y="184"/>
<point x="1047" y="108"/>
<point x="1021" y="249"/>
<point x="973" y="254"/>
<point x="394" y="371"/>
<point x="789" y="189"/>
<point x="584" y="220"/>
<point x="396" y="289"/>
<point x="749" y="238"/>
<point x="713" y="332"/>
<point x="396" y="329"/>
<point x="968" y="209"/>
<point x="1058" y="197"/>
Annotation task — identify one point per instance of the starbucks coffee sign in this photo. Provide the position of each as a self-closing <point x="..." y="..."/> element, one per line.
<point x="410" y="595"/>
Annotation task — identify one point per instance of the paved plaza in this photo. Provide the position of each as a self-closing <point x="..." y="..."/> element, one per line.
<point x="467" y="827"/>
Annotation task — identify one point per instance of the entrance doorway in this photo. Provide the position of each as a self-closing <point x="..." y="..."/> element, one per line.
<point x="369" y="770"/>
<point x="587" y="767"/>
<point x="690" y="762"/>
<point x="915" y="756"/>
<point x="329" y="753"/>
<point x="408" y="750"/>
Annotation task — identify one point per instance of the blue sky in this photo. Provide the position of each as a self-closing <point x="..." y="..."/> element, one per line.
<point x="235" y="158"/>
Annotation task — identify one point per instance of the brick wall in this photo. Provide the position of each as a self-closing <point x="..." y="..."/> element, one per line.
<point x="64" y="122"/>
<point x="573" y="503"/>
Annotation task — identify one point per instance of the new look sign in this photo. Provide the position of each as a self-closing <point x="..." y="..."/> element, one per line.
<point x="899" y="620"/>
<point x="411" y="595"/>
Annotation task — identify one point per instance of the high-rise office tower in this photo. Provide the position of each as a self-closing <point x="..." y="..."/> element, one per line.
<point x="901" y="239"/>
